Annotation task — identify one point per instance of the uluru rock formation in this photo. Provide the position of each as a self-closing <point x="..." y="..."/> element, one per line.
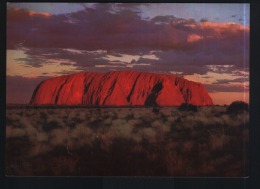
<point x="120" y="88"/>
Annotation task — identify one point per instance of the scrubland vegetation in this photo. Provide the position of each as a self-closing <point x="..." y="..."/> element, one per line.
<point x="166" y="141"/>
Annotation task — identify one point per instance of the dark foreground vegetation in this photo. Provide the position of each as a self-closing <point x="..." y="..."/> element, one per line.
<point x="168" y="141"/>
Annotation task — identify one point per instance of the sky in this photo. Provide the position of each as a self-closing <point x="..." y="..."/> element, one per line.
<point x="206" y="43"/>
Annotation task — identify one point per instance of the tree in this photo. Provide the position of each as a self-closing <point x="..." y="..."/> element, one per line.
<point x="237" y="107"/>
<point x="188" y="107"/>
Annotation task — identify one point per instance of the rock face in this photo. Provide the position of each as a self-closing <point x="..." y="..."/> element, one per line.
<point x="120" y="88"/>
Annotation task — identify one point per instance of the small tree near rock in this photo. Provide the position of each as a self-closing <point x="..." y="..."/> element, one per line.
<point x="237" y="107"/>
<point x="188" y="107"/>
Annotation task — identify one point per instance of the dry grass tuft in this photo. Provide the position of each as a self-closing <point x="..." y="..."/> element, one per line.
<point x="218" y="139"/>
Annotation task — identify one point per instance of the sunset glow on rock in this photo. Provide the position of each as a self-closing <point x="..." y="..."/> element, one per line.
<point x="120" y="88"/>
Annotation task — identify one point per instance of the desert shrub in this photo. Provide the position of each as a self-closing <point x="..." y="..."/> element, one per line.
<point x="166" y="111"/>
<point x="107" y="121"/>
<point x="31" y="130"/>
<point x="43" y="115"/>
<point x="124" y="114"/>
<point x="134" y="122"/>
<point x="10" y="119"/>
<point x="77" y="120"/>
<point x="80" y="136"/>
<point x="157" y="124"/>
<point x="48" y="126"/>
<point x="172" y="118"/>
<point x="129" y="117"/>
<point x="120" y="128"/>
<point x="41" y="137"/>
<point x="15" y="132"/>
<point x="156" y="110"/>
<point x="237" y="107"/>
<point x="141" y="113"/>
<point x="188" y="107"/>
<point x="82" y="115"/>
<point x="149" y="134"/>
<point x="58" y="137"/>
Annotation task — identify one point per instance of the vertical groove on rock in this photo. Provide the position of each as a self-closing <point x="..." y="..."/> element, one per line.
<point x="58" y="93"/>
<point x="87" y="85"/>
<point x="133" y="87"/>
<point x="109" y="91"/>
<point x="35" y="92"/>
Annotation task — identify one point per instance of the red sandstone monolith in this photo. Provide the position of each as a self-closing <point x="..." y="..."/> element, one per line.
<point x="120" y="88"/>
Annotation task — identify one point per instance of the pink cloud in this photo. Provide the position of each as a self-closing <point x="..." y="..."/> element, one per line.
<point x="17" y="14"/>
<point x="194" y="38"/>
<point x="222" y="28"/>
<point x="44" y="14"/>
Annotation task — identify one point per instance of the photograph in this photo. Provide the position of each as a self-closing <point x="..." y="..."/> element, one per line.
<point x="127" y="90"/>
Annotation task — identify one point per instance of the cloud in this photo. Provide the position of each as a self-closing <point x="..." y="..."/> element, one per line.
<point x="204" y="20"/>
<point x="43" y="14"/>
<point x="163" y="19"/>
<point x="40" y="56"/>
<point x="226" y="88"/>
<point x="17" y="14"/>
<point x="228" y="81"/>
<point x="87" y="38"/>
<point x="108" y="28"/>
<point x="194" y="38"/>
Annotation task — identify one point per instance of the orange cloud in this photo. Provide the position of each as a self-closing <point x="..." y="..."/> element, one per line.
<point x="222" y="26"/>
<point x="33" y="13"/>
<point x="222" y="29"/>
<point x="214" y="29"/>
<point x="194" y="38"/>
<point x="17" y="12"/>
